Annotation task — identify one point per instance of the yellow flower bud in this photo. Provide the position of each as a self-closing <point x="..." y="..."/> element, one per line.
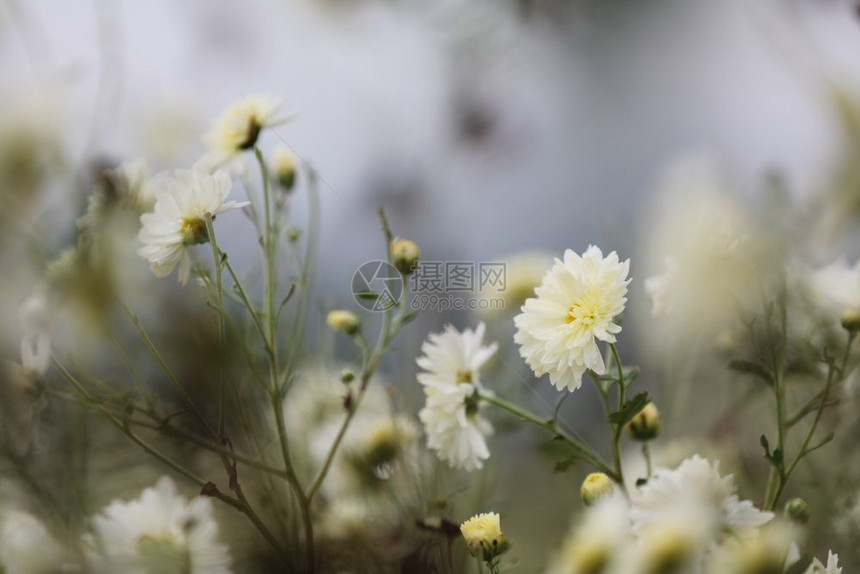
<point x="483" y="535"/>
<point x="284" y="167"/>
<point x="646" y="424"/>
<point x="595" y="486"/>
<point x="346" y="321"/>
<point x="404" y="254"/>
<point x="851" y="320"/>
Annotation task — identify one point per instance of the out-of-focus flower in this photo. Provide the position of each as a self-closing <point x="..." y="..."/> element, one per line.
<point x="26" y="546"/>
<point x="837" y="287"/>
<point x="284" y="168"/>
<point x="770" y="552"/>
<point x="660" y="288"/>
<point x="451" y="364"/>
<point x="717" y="257"/>
<point x="695" y="483"/>
<point x="159" y="532"/>
<point x="178" y="220"/>
<point x="36" y="319"/>
<point x="343" y="320"/>
<point x="21" y="399"/>
<point x="523" y="272"/>
<point x="574" y="308"/>
<point x="136" y="185"/>
<point x="832" y="566"/>
<point x="239" y="126"/>
<point x="483" y="535"/>
<point x="29" y="146"/>
<point x="594" y="544"/>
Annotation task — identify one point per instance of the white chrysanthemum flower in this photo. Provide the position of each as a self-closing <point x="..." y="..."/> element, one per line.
<point x="575" y="306"/>
<point x="832" y="566"/>
<point x="239" y="126"/>
<point x="595" y="543"/>
<point x="182" y="203"/>
<point x="697" y="484"/>
<point x="452" y="363"/>
<point x="26" y="546"/>
<point x="837" y="286"/>
<point x="159" y="532"/>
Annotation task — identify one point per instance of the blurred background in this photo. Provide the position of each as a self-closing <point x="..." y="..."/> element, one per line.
<point x="484" y="127"/>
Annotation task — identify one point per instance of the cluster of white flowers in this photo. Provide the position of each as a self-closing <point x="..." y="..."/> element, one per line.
<point x="452" y="363"/>
<point x="685" y="520"/>
<point x="161" y="531"/>
<point x="574" y="308"/>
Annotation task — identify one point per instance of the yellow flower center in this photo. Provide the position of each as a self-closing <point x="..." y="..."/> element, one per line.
<point x="464" y="377"/>
<point x="586" y="311"/>
<point x="194" y="230"/>
<point x="163" y="555"/>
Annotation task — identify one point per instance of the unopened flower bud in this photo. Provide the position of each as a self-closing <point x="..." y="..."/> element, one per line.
<point x="797" y="510"/>
<point x="343" y="320"/>
<point x="851" y="320"/>
<point x="483" y="535"/>
<point x="404" y="254"/>
<point x="284" y="167"/>
<point x="293" y="234"/>
<point x="346" y="376"/>
<point x="646" y="424"/>
<point x="595" y="486"/>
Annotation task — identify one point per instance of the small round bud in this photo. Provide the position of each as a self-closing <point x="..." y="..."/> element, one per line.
<point x="284" y="168"/>
<point x="646" y="424"/>
<point x="797" y="510"/>
<point x="851" y="320"/>
<point x="595" y="486"/>
<point x="483" y="535"/>
<point x="343" y="320"/>
<point x="346" y="376"/>
<point x="404" y="254"/>
<point x="293" y="234"/>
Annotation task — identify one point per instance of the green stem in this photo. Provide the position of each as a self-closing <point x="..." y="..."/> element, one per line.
<point x="616" y="435"/>
<point x="583" y="451"/>
<point x="217" y="263"/>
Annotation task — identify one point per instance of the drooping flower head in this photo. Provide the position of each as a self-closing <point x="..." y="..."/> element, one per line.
<point x="159" y="532"/>
<point x="239" y="126"/>
<point x="178" y="220"/>
<point x="574" y="308"/>
<point x="451" y="364"/>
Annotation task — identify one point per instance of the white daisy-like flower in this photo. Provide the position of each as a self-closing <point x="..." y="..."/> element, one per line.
<point x="451" y="364"/>
<point x="159" y="532"/>
<point x="178" y="221"/>
<point x="696" y="483"/>
<point x="239" y="126"/>
<point x="26" y="546"/>
<point x="575" y="306"/>
<point x="832" y="566"/>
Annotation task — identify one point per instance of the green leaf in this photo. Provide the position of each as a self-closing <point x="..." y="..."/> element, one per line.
<point x="565" y="464"/>
<point x="750" y="368"/>
<point x="630" y="409"/>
